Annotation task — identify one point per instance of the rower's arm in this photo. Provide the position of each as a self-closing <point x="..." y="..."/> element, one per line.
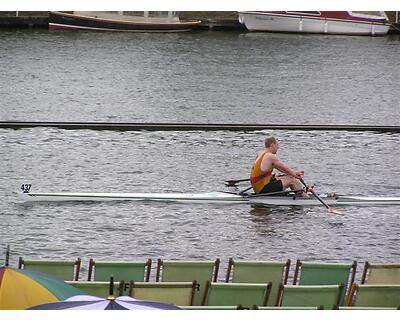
<point x="282" y="167"/>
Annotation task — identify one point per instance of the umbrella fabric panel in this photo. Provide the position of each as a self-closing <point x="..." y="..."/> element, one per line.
<point x="73" y="305"/>
<point x="78" y="302"/>
<point x="55" y="285"/>
<point x="18" y="291"/>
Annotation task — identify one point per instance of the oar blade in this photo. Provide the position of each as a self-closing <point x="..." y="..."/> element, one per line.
<point x="330" y="209"/>
<point x="334" y="211"/>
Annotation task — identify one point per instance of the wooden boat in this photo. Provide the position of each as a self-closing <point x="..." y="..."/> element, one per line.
<point x="106" y="21"/>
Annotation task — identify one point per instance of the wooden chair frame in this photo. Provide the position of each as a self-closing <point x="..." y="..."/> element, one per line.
<point x="194" y="287"/>
<point x="281" y="293"/>
<point x="368" y="266"/>
<point x="231" y="263"/>
<point x="265" y="299"/>
<point x="350" y="279"/>
<point x="160" y="264"/>
<point x="92" y="264"/>
<point x="77" y="265"/>
<point x="120" y="290"/>
<point x="352" y="294"/>
<point x="299" y="264"/>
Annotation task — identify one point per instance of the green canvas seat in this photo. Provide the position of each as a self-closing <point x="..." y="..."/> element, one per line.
<point x="365" y="308"/>
<point x="121" y="270"/>
<point x="176" y="293"/>
<point x="275" y="272"/>
<point x="63" y="269"/>
<point x="231" y="294"/>
<point x="211" y="307"/>
<point x="383" y="273"/>
<point x="371" y="295"/>
<point x="98" y="288"/>
<point x="315" y="273"/>
<point x="327" y="296"/>
<point x="188" y="271"/>
<point x="288" y="308"/>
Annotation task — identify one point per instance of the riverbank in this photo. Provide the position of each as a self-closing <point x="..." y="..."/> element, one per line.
<point x="211" y="20"/>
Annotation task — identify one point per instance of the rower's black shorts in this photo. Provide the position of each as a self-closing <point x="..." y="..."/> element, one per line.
<point x="273" y="185"/>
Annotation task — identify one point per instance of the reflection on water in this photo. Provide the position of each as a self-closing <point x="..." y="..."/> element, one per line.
<point x="260" y="210"/>
<point x="268" y="220"/>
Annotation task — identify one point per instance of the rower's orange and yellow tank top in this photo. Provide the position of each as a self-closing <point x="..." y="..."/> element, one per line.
<point x="258" y="178"/>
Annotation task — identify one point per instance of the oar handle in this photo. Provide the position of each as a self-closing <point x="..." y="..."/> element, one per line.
<point x="315" y="195"/>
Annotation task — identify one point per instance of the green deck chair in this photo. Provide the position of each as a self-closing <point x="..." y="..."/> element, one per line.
<point x="314" y="273"/>
<point x="384" y="273"/>
<point x="63" y="269"/>
<point x="231" y="294"/>
<point x="98" y="288"/>
<point x="327" y="296"/>
<point x="126" y="271"/>
<point x="371" y="295"/>
<point x="177" y="293"/>
<point x="275" y="272"/>
<point x="188" y="271"/>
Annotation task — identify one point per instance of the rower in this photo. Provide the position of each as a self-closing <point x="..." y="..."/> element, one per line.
<point x="264" y="180"/>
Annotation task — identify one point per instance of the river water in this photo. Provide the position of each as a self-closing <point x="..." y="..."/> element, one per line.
<point x="202" y="77"/>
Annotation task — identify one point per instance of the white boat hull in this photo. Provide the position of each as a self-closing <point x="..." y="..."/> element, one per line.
<point x="296" y="24"/>
<point x="211" y="197"/>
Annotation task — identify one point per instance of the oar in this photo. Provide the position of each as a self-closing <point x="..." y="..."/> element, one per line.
<point x="232" y="183"/>
<point x="330" y="210"/>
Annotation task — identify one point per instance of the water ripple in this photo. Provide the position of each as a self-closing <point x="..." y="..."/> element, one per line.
<point x="209" y="77"/>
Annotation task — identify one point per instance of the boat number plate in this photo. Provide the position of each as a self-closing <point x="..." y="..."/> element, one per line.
<point x="26" y="187"/>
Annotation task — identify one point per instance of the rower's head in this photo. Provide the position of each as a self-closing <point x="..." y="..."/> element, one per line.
<point x="272" y="144"/>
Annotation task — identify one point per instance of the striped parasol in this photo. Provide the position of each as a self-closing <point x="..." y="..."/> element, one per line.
<point x="21" y="289"/>
<point x="85" y="302"/>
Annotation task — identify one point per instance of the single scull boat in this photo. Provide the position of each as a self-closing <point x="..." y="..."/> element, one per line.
<point x="286" y="199"/>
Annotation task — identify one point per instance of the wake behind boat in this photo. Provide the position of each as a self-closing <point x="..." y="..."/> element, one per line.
<point x="283" y="199"/>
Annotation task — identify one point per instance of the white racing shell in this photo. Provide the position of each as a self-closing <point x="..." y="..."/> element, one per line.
<point x="213" y="197"/>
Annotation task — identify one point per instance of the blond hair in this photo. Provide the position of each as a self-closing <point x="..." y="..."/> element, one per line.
<point x="269" y="141"/>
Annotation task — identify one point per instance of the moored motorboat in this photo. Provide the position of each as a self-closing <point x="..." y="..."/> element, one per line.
<point x="118" y="21"/>
<point x="324" y="22"/>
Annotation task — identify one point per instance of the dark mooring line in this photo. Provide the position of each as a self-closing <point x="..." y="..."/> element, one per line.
<point x="192" y="126"/>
